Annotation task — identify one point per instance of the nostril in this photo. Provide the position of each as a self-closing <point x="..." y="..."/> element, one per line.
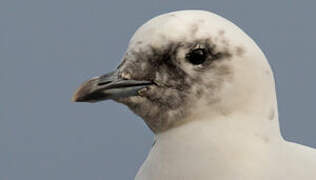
<point x="103" y="83"/>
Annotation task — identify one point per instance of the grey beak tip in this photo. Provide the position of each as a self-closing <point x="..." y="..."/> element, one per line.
<point x="80" y="94"/>
<point x="75" y="99"/>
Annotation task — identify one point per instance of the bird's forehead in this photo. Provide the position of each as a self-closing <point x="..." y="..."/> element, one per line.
<point x="182" y="26"/>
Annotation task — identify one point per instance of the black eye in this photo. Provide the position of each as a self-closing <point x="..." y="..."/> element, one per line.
<point x="196" y="56"/>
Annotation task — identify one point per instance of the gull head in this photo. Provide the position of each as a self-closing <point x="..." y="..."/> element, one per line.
<point x="184" y="66"/>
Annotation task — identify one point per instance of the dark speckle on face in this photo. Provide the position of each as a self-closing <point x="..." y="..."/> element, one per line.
<point x="225" y="43"/>
<point x="139" y="42"/>
<point x="166" y="102"/>
<point x="240" y="51"/>
<point x="221" y="32"/>
<point x="194" y="29"/>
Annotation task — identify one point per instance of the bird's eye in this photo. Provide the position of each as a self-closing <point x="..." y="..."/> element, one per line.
<point x="196" y="56"/>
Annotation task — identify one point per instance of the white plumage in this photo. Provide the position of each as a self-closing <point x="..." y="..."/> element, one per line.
<point x="245" y="143"/>
<point x="207" y="92"/>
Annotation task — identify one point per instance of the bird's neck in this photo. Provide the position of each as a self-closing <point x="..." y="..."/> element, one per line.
<point x="211" y="141"/>
<point x="211" y="144"/>
<point x="226" y="125"/>
<point x="231" y="133"/>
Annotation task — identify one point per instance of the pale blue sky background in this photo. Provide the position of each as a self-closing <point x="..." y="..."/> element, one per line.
<point x="48" y="47"/>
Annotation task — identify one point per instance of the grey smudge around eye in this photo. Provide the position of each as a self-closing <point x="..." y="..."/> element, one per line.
<point x="162" y="106"/>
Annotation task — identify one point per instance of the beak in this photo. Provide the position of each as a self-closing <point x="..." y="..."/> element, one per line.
<point x="108" y="86"/>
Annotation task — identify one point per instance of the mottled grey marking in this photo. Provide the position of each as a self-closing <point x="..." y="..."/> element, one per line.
<point x="271" y="114"/>
<point x="167" y="102"/>
<point x="199" y="93"/>
<point x="266" y="139"/>
<point x="139" y="42"/>
<point x="194" y="29"/>
<point x="225" y="42"/>
<point x="221" y="32"/>
<point x="240" y="51"/>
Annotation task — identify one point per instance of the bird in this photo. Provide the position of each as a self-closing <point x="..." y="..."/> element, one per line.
<point x="207" y="92"/>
